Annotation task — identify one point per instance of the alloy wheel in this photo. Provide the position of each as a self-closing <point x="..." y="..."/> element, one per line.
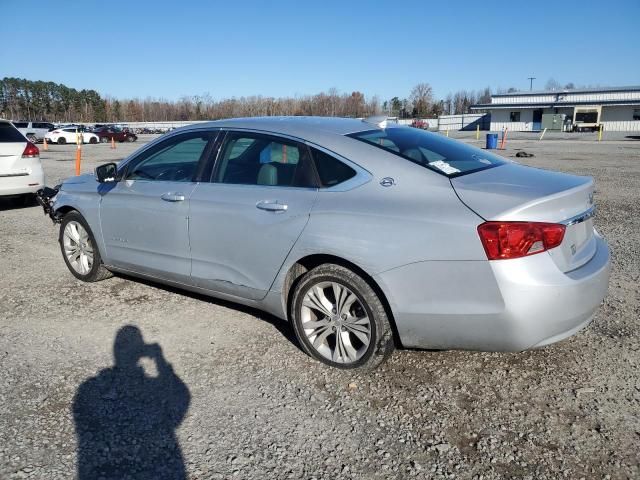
<point x="335" y="322"/>
<point x="78" y="248"/>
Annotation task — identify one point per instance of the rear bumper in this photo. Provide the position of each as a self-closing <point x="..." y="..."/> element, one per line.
<point x="504" y="305"/>
<point x="22" y="184"/>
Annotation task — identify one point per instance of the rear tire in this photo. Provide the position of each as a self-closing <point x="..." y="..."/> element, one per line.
<point x="104" y="140"/>
<point x="93" y="140"/>
<point x="339" y="319"/>
<point x="79" y="249"/>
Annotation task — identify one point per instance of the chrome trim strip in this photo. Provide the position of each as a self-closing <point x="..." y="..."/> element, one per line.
<point x="21" y="174"/>
<point x="582" y="217"/>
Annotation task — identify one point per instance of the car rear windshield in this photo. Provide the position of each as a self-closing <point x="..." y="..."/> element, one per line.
<point x="433" y="151"/>
<point x="8" y="134"/>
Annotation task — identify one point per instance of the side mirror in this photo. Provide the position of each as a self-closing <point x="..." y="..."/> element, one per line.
<point x="107" y="173"/>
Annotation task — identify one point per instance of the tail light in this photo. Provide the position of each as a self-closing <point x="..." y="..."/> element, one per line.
<point x="30" y="151"/>
<point x="502" y="240"/>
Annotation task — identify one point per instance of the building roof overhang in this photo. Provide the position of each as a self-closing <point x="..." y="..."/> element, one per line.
<point x="502" y="106"/>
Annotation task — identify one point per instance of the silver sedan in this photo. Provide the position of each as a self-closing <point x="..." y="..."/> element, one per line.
<point x="364" y="235"/>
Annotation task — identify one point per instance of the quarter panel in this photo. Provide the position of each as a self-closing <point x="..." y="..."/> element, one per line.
<point x="380" y="228"/>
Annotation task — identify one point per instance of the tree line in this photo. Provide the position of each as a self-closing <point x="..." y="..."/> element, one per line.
<point x="22" y="99"/>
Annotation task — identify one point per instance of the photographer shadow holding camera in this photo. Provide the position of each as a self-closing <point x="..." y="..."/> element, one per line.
<point x="126" y="420"/>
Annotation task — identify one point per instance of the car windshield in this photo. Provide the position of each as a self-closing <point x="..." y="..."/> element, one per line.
<point x="445" y="156"/>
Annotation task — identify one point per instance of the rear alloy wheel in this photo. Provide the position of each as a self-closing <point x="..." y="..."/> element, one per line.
<point x="104" y="139"/>
<point x="339" y="319"/>
<point x="79" y="249"/>
<point x="130" y="138"/>
<point x="62" y="140"/>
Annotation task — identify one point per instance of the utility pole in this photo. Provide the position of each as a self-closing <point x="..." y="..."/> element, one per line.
<point x="531" y="79"/>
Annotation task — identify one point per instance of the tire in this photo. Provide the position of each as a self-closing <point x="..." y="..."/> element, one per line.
<point x="93" y="140"/>
<point x="82" y="270"/>
<point x="104" y="140"/>
<point x="131" y="138"/>
<point x="366" y="338"/>
<point x="61" y="140"/>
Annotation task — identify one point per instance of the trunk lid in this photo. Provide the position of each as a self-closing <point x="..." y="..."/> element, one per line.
<point x="514" y="192"/>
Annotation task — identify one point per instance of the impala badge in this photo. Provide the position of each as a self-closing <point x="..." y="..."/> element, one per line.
<point x="573" y="249"/>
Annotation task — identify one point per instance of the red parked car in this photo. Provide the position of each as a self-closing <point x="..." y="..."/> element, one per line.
<point x="107" y="133"/>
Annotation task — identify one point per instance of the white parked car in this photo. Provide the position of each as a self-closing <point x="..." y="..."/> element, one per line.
<point x="20" y="168"/>
<point x="68" y="135"/>
<point x="34" y="131"/>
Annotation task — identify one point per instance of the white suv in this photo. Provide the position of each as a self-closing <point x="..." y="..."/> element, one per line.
<point x="20" y="167"/>
<point x="34" y="131"/>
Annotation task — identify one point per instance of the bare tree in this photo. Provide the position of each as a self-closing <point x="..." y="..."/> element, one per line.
<point x="552" y="84"/>
<point x="421" y="97"/>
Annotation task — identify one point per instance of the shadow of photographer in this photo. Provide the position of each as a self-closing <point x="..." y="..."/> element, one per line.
<point x="126" y="420"/>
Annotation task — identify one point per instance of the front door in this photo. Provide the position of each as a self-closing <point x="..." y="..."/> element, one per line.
<point x="145" y="216"/>
<point x="537" y="120"/>
<point x="247" y="219"/>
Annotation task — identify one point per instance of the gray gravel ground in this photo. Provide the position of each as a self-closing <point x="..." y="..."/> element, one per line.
<point x="253" y="405"/>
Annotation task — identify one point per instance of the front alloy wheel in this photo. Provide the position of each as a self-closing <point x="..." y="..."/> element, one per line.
<point x="79" y="249"/>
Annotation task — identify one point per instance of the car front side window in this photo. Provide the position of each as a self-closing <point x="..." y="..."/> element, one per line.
<point x="174" y="160"/>
<point x="257" y="159"/>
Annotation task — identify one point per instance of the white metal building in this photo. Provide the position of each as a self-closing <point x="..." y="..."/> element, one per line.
<point x="615" y="108"/>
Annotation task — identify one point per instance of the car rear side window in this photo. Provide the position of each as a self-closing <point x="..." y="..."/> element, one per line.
<point x="433" y="151"/>
<point x="257" y="159"/>
<point x="8" y="134"/>
<point x="331" y="170"/>
<point x="21" y="124"/>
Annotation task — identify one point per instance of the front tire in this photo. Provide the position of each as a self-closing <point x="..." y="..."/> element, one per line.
<point x="79" y="249"/>
<point x="61" y="140"/>
<point x="339" y="319"/>
<point x="93" y="140"/>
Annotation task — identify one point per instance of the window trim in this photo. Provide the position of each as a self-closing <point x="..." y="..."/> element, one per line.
<point x="228" y="132"/>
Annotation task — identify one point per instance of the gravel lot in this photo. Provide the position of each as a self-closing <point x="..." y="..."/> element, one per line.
<point x="240" y="400"/>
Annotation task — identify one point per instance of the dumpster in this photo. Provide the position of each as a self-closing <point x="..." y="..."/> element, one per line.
<point x="492" y="141"/>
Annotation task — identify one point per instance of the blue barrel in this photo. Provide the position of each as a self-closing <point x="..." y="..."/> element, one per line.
<point x="492" y="141"/>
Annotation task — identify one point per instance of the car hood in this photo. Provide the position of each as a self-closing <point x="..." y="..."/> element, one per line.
<point x="514" y="192"/>
<point x="78" y="182"/>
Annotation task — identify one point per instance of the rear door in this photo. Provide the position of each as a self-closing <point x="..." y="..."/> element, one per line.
<point x="246" y="220"/>
<point x="145" y="216"/>
<point x="12" y="145"/>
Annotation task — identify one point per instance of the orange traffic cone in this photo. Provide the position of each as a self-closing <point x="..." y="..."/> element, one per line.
<point x="113" y="143"/>
<point x="44" y="145"/>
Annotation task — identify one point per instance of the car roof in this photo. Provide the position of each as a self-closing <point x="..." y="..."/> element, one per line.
<point x="303" y="127"/>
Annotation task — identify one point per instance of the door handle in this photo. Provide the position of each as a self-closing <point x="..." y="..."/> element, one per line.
<point x="272" y="206"/>
<point x="172" y="197"/>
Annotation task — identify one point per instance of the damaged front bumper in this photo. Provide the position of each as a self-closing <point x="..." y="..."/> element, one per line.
<point x="45" y="197"/>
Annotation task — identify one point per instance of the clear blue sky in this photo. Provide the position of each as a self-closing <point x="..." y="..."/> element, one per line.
<point x="285" y="48"/>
